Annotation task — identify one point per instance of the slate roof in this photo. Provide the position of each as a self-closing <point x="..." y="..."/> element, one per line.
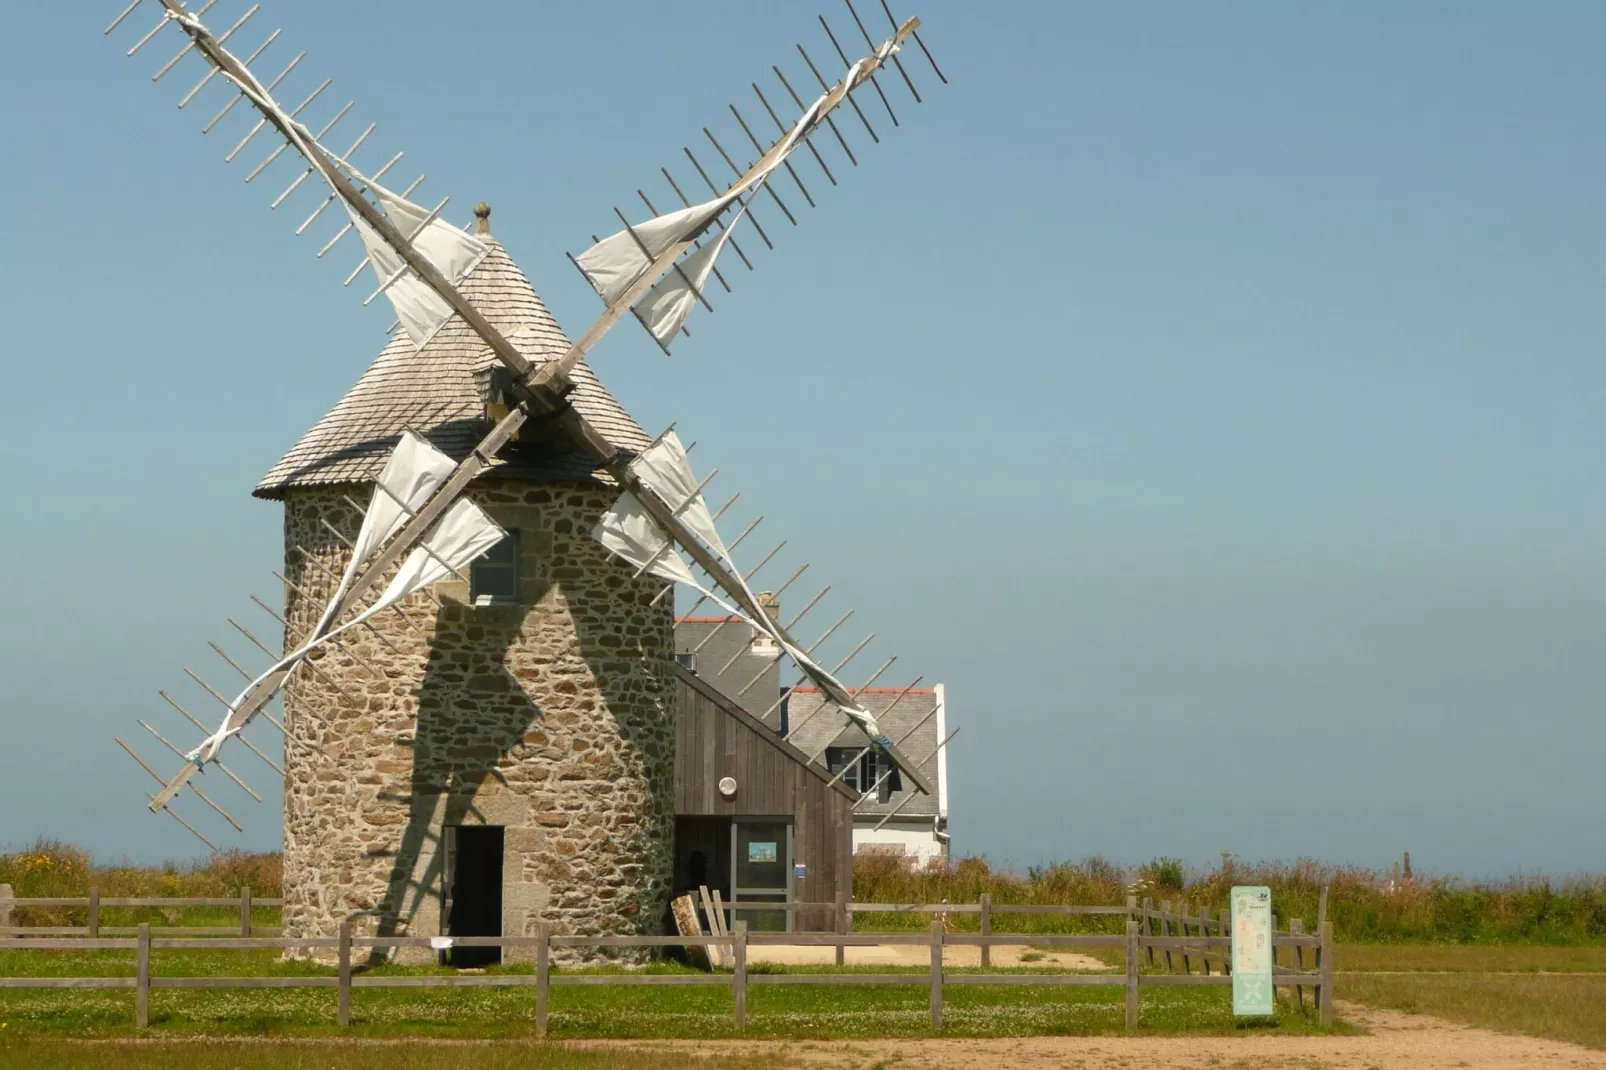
<point x="814" y="729"/>
<point x="433" y="392"/>
<point x="729" y="641"/>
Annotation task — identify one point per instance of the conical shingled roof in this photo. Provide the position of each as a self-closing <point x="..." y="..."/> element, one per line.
<point x="433" y="391"/>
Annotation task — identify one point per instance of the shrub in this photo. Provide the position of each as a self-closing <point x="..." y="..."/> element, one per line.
<point x="1363" y="905"/>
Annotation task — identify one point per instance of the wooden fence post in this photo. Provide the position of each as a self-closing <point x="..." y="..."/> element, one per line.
<point x="543" y="975"/>
<point x="142" y="978"/>
<point x="7" y="904"/>
<point x="1226" y="930"/>
<point x="344" y="1013"/>
<point x="739" y="981"/>
<point x="1148" y="925"/>
<point x="936" y="976"/>
<point x="1182" y="928"/>
<point x="1131" y="972"/>
<point x="1165" y="930"/>
<point x="844" y="924"/>
<point x="986" y="928"/>
<point x="94" y="912"/>
<point x="1324" y="994"/>
<point x="245" y="912"/>
<point x="1296" y="927"/>
<point x="1204" y="930"/>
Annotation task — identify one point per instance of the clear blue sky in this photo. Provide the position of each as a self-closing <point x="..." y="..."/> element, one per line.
<point x="1211" y="395"/>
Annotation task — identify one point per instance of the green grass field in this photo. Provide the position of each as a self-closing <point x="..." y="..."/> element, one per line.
<point x="1527" y="956"/>
<point x="1553" y="992"/>
<point x="826" y="1011"/>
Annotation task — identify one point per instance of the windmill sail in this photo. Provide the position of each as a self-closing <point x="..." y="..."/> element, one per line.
<point x="461" y="536"/>
<point x="628" y="269"/>
<point x="631" y="533"/>
<point x="617" y="261"/>
<point x="414" y="471"/>
<point x="451" y="251"/>
<point x="668" y="304"/>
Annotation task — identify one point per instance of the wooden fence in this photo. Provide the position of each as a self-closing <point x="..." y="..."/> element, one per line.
<point x="93" y="903"/>
<point x="1167" y="951"/>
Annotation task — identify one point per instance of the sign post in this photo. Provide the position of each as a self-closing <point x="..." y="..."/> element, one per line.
<point x="1252" y="959"/>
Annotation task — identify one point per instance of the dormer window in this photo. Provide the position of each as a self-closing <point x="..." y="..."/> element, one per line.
<point x="495" y="385"/>
<point x="864" y="770"/>
<point x="493" y="580"/>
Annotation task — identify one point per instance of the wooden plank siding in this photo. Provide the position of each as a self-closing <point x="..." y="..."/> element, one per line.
<point x="716" y="738"/>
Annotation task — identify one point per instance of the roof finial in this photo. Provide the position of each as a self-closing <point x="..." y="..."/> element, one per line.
<point x="482" y="218"/>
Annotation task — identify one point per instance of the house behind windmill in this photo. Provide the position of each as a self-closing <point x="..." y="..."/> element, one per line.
<point x="506" y="753"/>
<point x="738" y="660"/>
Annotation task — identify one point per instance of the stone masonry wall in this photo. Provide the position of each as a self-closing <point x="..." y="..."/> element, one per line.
<point x="553" y="718"/>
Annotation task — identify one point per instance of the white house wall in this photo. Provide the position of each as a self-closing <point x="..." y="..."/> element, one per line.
<point x="914" y="840"/>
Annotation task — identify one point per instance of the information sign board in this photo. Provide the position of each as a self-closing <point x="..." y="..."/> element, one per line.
<point x="1252" y="958"/>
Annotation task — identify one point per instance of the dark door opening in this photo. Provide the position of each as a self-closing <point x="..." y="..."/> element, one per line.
<point x="473" y="891"/>
<point x="702" y="855"/>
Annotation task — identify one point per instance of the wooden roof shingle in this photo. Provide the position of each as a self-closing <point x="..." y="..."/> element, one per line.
<point x="433" y="392"/>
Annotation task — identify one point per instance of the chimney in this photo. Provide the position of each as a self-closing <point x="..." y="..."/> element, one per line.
<point x="762" y="642"/>
<point x="482" y="219"/>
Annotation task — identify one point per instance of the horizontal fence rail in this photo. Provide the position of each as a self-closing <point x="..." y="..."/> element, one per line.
<point x="94" y="902"/>
<point x="1164" y="939"/>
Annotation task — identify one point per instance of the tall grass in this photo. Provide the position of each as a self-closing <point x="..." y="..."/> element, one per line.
<point x="51" y="869"/>
<point x="1365" y="906"/>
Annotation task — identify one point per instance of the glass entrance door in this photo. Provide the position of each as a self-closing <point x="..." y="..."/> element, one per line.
<point x="761" y="867"/>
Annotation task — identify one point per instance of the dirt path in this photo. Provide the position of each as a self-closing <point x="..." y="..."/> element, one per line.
<point x="1408" y="1042"/>
<point x="920" y="955"/>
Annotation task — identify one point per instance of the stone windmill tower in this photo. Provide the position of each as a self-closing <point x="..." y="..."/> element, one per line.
<point x="485" y="651"/>
<point x="534" y="698"/>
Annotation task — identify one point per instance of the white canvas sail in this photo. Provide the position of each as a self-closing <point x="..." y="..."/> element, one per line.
<point x="450" y="251"/>
<point x="617" y="261"/>
<point x="667" y="305"/>
<point x="413" y="472"/>
<point x="452" y="544"/>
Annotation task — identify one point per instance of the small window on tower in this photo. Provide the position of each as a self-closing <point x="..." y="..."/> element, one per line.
<point x="493" y="580"/>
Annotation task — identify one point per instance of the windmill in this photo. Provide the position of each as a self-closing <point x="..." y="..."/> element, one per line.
<point x="420" y="527"/>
